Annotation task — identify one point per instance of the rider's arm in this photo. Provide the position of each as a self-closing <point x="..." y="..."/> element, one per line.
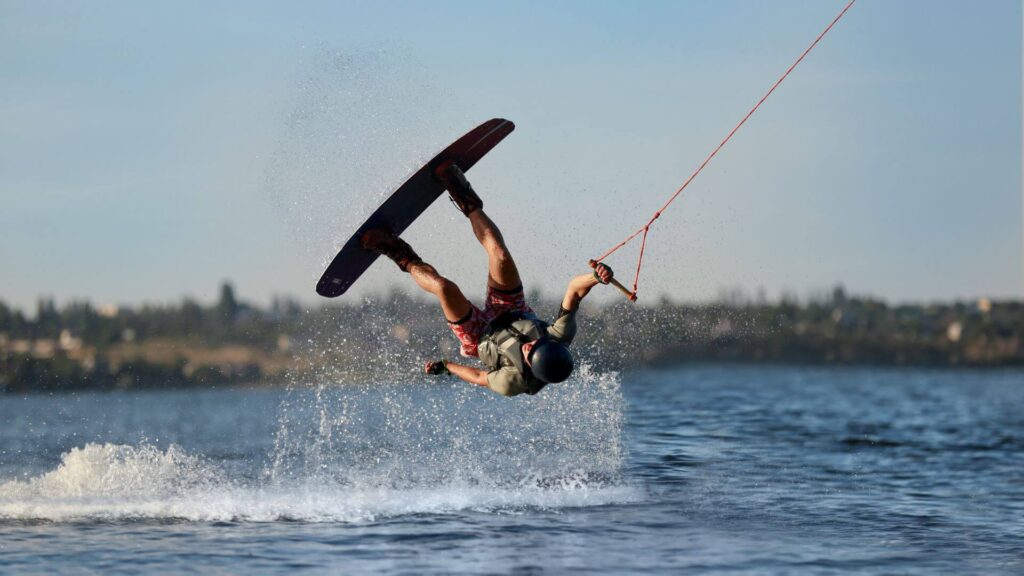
<point x="468" y="373"/>
<point x="580" y="286"/>
<point x="506" y="381"/>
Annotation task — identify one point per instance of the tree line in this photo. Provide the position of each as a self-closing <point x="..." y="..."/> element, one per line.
<point x="229" y="341"/>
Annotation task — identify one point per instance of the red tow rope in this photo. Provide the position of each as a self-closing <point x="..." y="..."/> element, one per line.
<point x="647" y="227"/>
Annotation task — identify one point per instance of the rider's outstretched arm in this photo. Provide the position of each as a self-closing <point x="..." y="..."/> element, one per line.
<point x="580" y="286"/>
<point x="468" y="373"/>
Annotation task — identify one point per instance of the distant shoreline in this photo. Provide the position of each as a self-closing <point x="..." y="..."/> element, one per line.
<point x="230" y="343"/>
<point x="413" y="376"/>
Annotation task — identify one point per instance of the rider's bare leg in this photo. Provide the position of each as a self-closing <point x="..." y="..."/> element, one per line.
<point x="501" y="269"/>
<point x="453" y="302"/>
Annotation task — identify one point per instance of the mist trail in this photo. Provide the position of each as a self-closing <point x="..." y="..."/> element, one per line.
<point x="404" y="434"/>
<point x="345" y="135"/>
<point x="357" y="124"/>
<point x="392" y="443"/>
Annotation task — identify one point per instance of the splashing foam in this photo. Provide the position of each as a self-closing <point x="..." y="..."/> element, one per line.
<point x="111" y="481"/>
<point x="356" y="454"/>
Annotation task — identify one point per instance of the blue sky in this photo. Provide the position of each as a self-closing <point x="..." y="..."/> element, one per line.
<point x="149" y="151"/>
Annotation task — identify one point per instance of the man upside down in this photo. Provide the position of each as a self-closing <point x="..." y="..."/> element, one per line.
<point x="522" y="353"/>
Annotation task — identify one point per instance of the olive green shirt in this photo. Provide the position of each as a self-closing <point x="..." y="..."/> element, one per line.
<point x="508" y="381"/>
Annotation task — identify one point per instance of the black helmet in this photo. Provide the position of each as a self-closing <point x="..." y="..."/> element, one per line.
<point x="550" y="361"/>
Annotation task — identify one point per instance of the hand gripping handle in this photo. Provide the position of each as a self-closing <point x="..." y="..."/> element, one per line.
<point x="631" y="296"/>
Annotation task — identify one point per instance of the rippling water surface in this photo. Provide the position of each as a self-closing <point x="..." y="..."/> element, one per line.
<point x="707" y="469"/>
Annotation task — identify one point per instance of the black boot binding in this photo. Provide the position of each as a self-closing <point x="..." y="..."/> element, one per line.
<point x="459" y="189"/>
<point x="383" y="242"/>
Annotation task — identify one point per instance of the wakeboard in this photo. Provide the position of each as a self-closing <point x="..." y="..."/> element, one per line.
<point x="407" y="203"/>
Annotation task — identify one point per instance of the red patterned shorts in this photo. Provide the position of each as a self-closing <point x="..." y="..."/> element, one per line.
<point x="470" y="329"/>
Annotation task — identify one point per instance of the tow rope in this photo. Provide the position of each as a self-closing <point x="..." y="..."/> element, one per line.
<point x="647" y="227"/>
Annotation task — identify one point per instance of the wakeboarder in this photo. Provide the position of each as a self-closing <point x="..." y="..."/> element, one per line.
<point x="522" y="354"/>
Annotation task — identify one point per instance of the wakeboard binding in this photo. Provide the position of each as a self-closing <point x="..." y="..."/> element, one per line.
<point x="384" y="242"/>
<point x="460" y="191"/>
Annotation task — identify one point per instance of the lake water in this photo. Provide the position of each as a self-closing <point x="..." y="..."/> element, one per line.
<point x="697" y="470"/>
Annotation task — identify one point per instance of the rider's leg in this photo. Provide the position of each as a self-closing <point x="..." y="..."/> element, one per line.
<point x="454" y="304"/>
<point x="501" y="268"/>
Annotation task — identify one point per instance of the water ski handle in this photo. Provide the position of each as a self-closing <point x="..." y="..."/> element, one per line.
<point x="630" y="295"/>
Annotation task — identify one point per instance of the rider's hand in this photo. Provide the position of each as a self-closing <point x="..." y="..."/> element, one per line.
<point x="436" y="367"/>
<point x="603" y="273"/>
